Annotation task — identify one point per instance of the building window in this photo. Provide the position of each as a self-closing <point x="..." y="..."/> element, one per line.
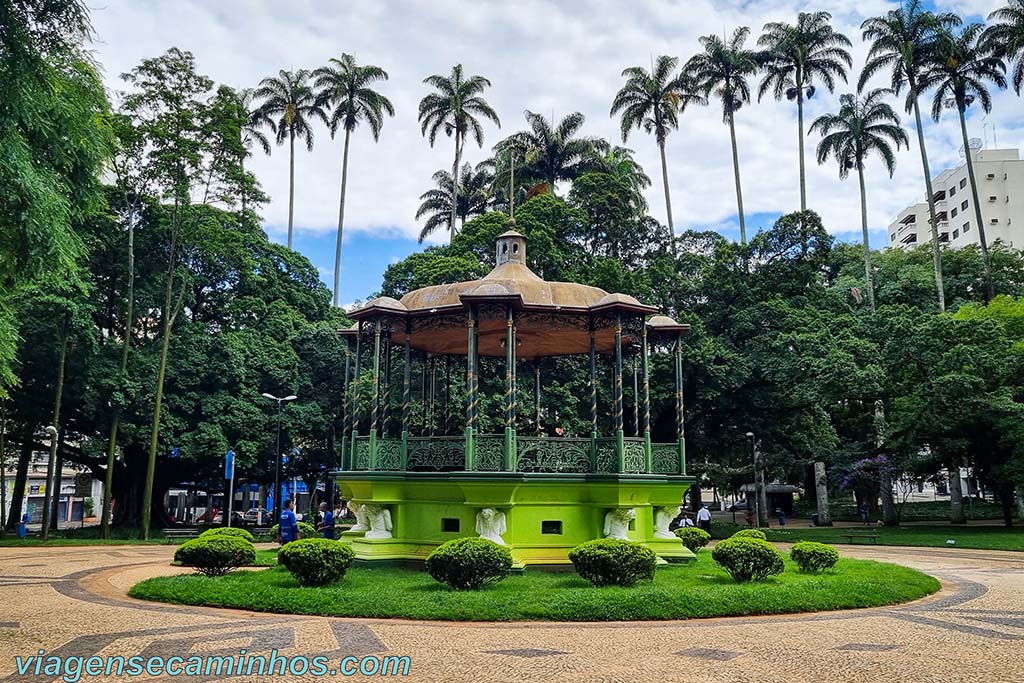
<point x="551" y="527"/>
<point x="963" y="205"/>
<point x="954" y="212"/>
<point x="892" y="237"/>
<point x="963" y="183"/>
<point x="952" y="191"/>
<point x="967" y="227"/>
<point x="450" y="525"/>
<point x="956" y="233"/>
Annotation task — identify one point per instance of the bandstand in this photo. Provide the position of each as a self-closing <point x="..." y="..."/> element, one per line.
<point x="540" y="494"/>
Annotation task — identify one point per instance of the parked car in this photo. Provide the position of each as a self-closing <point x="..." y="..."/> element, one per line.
<point x="256" y="516"/>
<point x="739" y="506"/>
<point x="236" y="518"/>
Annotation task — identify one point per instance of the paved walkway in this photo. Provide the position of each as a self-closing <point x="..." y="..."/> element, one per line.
<point x="71" y="601"/>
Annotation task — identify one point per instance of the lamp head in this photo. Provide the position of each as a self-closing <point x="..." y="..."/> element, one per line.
<point x="291" y="397"/>
<point x="270" y="396"/>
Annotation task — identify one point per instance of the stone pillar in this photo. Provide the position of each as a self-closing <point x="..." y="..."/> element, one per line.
<point x="821" y="491"/>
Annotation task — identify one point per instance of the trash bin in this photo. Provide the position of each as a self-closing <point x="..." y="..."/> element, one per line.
<point x="814" y="519"/>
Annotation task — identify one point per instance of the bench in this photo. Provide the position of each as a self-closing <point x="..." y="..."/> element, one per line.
<point x="179" y="534"/>
<point x="861" y="537"/>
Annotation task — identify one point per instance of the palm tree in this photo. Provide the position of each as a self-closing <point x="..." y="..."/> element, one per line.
<point x="473" y="197"/>
<point x="1007" y="37"/>
<point x="455" y="107"/>
<point x="619" y="163"/>
<point x="901" y="42"/>
<point x="290" y="98"/>
<point x="653" y="100"/>
<point x="553" y="153"/>
<point x="345" y="90"/>
<point x="961" y="67"/>
<point x="861" y="127"/>
<point x="252" y="129"/>
<point x="796" y="57"/>
<point x="723" y="69"/>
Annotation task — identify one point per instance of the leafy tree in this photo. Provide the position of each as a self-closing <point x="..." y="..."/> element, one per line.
<point x="902" y="42"/>
<point x="862" y="126"/>
<point x="797" y="56"/>
<point x="290" y="103"/>
<point x="1007" y="36"/>
<point x="346" y="89"/>
<point x="653" y="100"/>
<point x="722" y="69"/>
<point x="962" y="65"/>
<point x="456" y="107"/>
<point x="471" y="199"/>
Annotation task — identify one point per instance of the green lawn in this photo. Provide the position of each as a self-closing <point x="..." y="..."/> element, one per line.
<point x="983" y="537"/>
<point x="698" y="589"/>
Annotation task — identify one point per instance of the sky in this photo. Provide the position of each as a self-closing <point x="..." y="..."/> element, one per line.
<point x="552" y="57"/>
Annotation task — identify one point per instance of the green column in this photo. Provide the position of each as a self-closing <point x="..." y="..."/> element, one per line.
<point x="406" y="390"/>
<point x="385" y="394"/>
<point x="375" y="395"/>
<point x="446" y="430"/>
<point x="471" y="397"/>
<point x="680" y="427"/>
<point x="593" y="398"/>
<point x="432" y="392"/>
<point x="345" y="388"/>
<point x="636" y="395"/>
<point x="536" y="396"/>
<point x="645" y="368"/>
<point x="510" y="392"/>
<point x="355" y="393"/>
<point x="620" y="443"/>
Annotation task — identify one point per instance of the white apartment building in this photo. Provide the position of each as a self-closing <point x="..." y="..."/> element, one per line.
<point x="1000" y="177"/>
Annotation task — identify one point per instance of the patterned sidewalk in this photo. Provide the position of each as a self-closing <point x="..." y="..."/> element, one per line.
<point x="71" y="601"/>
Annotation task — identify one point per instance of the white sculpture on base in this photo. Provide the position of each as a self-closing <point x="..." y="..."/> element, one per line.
<point x="490" y="524"/>
<point x="616" y="523"/>
<point x="379" y="518"/>
<point x="663" y="516"/>
<point x="360" y="512"/>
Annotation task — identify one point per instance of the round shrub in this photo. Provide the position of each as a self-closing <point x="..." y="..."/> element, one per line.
<point x="228" y="531"/>
<point x="613" y="562"/>
<point x="750" y="533"/>
<point x="469" y="563"/>
<point x="814" y="557"/>
<point x="693" y="538"/>
<point x="748" y="559"/>
<point x="316" y="561"/>
<point x="215" y="555"/>
<point x="306" y="530"/>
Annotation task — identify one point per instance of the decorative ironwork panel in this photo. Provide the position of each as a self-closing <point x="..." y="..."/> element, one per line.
<point x="540" y="454"/>
<point x="490" y="453"/>
<point x="554" y="320"/>
<point x="436" y="453"/>
<point x="389" y="454"/>
<point x="635" y="457"/>
<point x="362" y="459"/>
<point x="666" y="458"/>
<point x="607" y="458"/>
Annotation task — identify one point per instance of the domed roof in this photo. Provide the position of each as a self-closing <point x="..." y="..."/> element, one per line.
<point x="617" y="298"/>
<point x="386" y="302"/>
<point x="661" y="321"/>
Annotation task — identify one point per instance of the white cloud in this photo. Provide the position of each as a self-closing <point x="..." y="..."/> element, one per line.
<point x="545" y="56"/>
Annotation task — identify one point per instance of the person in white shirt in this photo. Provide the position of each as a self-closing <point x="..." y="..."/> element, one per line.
<point x="704" y="519"/>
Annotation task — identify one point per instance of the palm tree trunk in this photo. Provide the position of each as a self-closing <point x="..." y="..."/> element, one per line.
<point x="800" y="145"/>
<point x="455" y="188"/>
<point x="989" y="289"/>
<point x="291" y="184"/>
<point x="864" y="232"/>
<point x="108" y="479"/>
<point x="668" y="198"/>
<point x="736" y="173"/>
<point x="936" y="250"/>
<point x="341" y="218"/>
<point x="956" y="495"/>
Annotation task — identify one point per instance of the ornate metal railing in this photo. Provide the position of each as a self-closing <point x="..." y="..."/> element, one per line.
<point x="436" y="453"/>
<point x="634" y="456"/>
<point x="361" y="454"/>
<point x="665" y="458"/>
<point x="606" y="455"/>
<point x="543" y="454"/>
<point x="490" y="452"/>
<point x="389" y="454"/>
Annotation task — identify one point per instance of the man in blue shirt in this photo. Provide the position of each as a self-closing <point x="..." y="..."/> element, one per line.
<point x="327" y="523"/>
<point x="288" y="529"/>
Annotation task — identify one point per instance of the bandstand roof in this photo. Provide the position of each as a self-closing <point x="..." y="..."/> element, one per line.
<point x="551" y="318"/>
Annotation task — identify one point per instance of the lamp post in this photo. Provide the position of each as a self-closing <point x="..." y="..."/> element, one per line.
<point x="51" y="431"/>
<point x="278" y="503"/>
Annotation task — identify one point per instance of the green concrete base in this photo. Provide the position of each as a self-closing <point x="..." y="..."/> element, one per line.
<point x="546" y="514"/>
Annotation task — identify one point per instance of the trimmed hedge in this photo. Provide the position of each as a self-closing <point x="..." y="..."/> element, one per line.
<point x="316" y="561"/>
<point x="813" y="557"/>
<point x="306" y="530"/>
<point x="750" y="533"/>
<point x="693" y="538"/>
<point x="748" y="558"/>
<point x="215" y="555"/>
<point x="228" y="531"/>
<point x="613" y="562"/>
<point x="469" y="563"/>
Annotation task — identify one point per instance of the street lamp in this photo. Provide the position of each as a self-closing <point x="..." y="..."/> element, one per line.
<point x="278" y="503"/>
<point x="51" y="431"/>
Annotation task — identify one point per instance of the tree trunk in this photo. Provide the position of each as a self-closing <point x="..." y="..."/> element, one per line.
<point x="736" y="174"/>
<point x="108" y="479"/>
<point x="21" y="478"/>
<point x="956" y="496"/>
<point x="291" y="184"/>
<point x="821" y="488"/>
<point x="341" y="218"/>
<point x="455" y="188"/>
<point x="936" y="250"/>
<point x="3" y="469"/>
<point x="890" y="515"/>
<point x="1006" y="501"/>
<point x="800" y="142"/>
<point x="989" y="289"/>
<point x="668" y="198"/>
<point x="1020" y="502"/>
<point x="55" y="421"/>
<point x="864" y="232"/>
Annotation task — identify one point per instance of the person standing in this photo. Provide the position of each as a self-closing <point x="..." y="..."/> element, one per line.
<point x="288" y="527"/>
<point x="704" y="518"/>
<point x="326" y="521"/>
